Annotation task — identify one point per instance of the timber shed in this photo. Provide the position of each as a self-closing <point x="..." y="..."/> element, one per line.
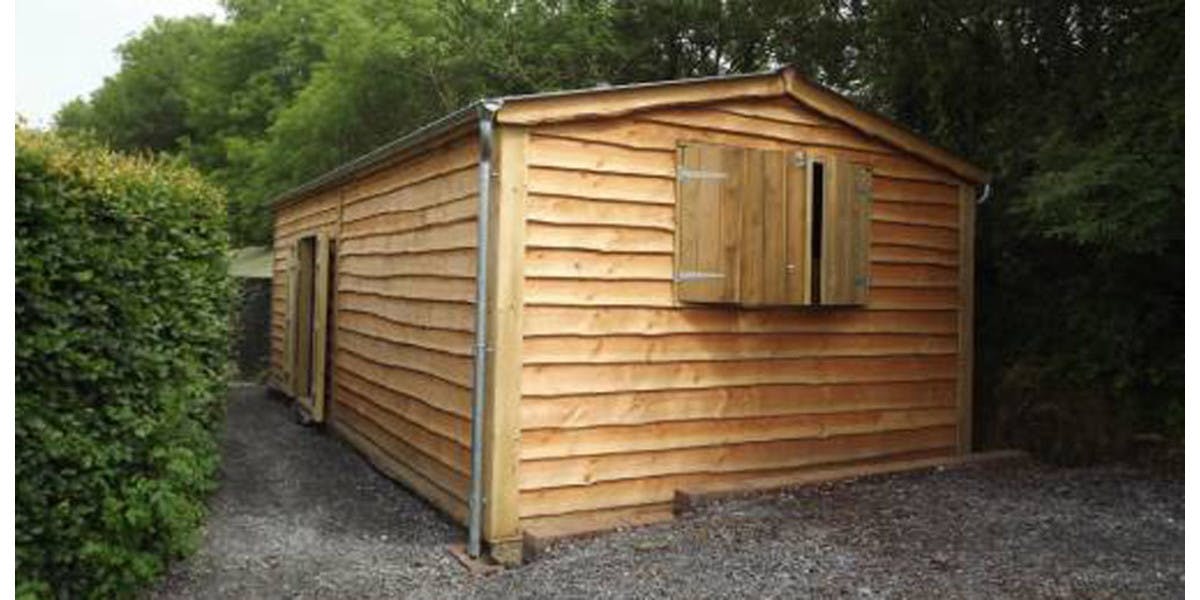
<point x="707" y="284"/>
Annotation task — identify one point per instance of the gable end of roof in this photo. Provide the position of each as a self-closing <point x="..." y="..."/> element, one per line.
<point x="614" y="101"/>
<point x="836" y="106"/>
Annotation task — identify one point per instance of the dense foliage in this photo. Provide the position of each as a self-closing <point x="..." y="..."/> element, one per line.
<point x="1076" y="107"/>
<point x="122" y="311"/>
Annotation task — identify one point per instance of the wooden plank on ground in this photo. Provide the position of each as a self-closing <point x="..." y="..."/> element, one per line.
<point x="541" y="532"/>
<point x="691" y="498"/>
<point x="629" y="492"/>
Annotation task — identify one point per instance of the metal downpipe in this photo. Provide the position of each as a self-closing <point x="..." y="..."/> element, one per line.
<point x="487" y="114"/>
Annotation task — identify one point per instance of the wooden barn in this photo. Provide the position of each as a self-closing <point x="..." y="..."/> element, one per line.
<point x="550" y="313"/>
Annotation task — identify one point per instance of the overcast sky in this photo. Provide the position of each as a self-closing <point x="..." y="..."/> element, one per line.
<point x="65" y="48"/>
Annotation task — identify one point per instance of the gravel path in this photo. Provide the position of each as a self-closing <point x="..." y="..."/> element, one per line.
<point x="300" y="515"/>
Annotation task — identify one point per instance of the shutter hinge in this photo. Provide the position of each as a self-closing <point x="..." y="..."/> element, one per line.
<point x="862" y="281"/>
<point x="698" y="276"/>
<point x="799" y="159"/>
<point x="686" y="174"/>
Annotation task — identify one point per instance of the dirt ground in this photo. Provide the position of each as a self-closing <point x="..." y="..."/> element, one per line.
<point x="300" y="515"/>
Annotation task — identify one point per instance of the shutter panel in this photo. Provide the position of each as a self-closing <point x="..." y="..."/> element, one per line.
<point x="709" y="180"/>
<point x="798" y="264"/>
<point x="763" y="276"/>
<point x="774" y="183"/>
<point x="751" y="270"/>
<point x="846" y="234"/>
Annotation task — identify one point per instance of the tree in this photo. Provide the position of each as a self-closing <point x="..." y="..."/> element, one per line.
<point x="144" y="106"/>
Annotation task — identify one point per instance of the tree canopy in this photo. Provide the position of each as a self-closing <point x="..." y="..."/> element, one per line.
<point x="1076" y="107"/>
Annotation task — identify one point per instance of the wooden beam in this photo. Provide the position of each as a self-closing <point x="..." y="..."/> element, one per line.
<point x="502" y="427"/>
<point x="966" y="316"/>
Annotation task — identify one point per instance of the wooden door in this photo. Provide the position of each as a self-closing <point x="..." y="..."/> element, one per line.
<point x="308" y="321"/>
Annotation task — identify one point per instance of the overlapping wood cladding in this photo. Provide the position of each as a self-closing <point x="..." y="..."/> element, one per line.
<point x="405" y="282"/>
<point x="607" y="392"/>
<point x="312" y="215"/>
<point x="629" y="394"/>
<point x="405" y="299"/>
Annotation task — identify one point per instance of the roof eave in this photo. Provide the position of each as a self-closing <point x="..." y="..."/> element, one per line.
<point x="382" y="154"/>
<point x="608" y="102"/>
<point x="837" y="106"/>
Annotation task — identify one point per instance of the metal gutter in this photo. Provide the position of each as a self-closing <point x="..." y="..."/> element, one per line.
<point x="486" y="111"/>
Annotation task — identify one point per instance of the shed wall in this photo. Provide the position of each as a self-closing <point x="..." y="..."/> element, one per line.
<point x="629" y="395"/>
<point x="405" y="281"/>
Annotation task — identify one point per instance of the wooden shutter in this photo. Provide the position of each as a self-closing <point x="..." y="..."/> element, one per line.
<point x="742" y="230"/>
<point x="709" y="182"/>
<point x="846" y="234"/>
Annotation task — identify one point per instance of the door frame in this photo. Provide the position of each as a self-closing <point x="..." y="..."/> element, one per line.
<point x="309" y="290"/>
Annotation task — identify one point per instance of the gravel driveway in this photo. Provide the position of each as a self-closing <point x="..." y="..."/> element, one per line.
<point x="300" y="515"/>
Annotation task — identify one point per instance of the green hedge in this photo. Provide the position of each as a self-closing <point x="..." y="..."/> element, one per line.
<point x="122" y="320"/>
